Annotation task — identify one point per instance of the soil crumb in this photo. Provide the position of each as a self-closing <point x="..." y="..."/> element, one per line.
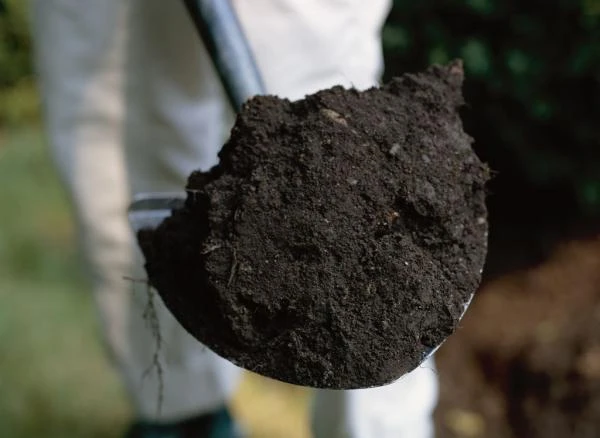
<point x="340" y="237"/>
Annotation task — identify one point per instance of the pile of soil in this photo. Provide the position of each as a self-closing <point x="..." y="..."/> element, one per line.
<point x="526" y="360"/>
<point x="339" y="238"/>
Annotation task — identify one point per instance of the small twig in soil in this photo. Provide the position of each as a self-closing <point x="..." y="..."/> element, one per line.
<point x="234" y="265"/>
<point x="210" y="249"/>
<point x="236" y="215"/>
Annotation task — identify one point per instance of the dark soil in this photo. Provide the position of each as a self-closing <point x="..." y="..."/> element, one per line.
<point x="526" y="361"/>
<point x="338" y="240"/>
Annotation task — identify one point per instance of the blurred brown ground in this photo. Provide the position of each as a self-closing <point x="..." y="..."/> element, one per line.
<point x="526" y="359"/>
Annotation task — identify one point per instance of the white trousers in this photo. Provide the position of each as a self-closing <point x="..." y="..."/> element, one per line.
<point x="132" y="104"/>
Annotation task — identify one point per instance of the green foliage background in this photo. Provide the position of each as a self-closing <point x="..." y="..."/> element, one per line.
<point x="18" y="98"/>
<point x="532" y="83"/>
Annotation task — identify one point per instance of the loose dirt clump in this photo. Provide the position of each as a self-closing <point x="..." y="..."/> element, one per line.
<point x="339" y="238"/>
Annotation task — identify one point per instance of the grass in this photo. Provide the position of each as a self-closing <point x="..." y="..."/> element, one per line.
<point x="55" y="381"/>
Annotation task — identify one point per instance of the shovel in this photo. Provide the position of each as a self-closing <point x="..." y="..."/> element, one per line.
<point x="221" y="33"/>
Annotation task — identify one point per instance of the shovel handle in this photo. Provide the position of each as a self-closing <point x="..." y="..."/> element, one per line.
<point x="222" y="34"/>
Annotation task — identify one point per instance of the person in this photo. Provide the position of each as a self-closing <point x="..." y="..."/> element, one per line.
<point x="132" y="103"/>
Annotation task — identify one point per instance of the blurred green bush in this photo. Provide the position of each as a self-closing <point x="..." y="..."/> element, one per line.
<point x="18" y="98"/>
<point x="533" y="83"/>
